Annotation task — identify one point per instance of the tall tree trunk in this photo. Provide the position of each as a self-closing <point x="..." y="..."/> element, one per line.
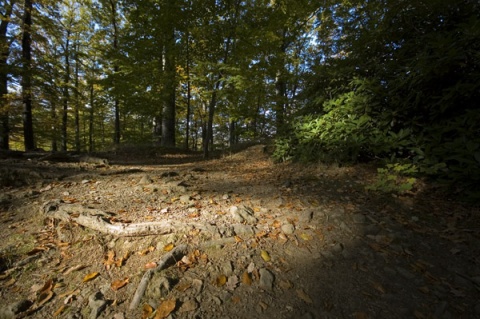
<point x="77" y="102"/>
<point x="4" y="53"/>
<point x="168" y="112"/>
<point x="28" y="136"/>
<point x="54" y="128"/>
<point x="66" y="93"/>
<point x="90" y="122"/>
<point x="117" y="133"/>
<point x="189" y="96"/>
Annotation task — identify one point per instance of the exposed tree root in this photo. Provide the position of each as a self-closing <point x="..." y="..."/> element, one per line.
<point x="98" y="220"/>
<point x="170" y="258"/>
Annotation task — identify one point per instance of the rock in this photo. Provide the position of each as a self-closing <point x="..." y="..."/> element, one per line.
<point x="145" y="180"/>
<point x="13" y="309"/>
<point x="288" y="229"/>
<point x="97" y="304"/>
<point x="185" y="199"/>
<point x="235" y="214"/>
<point x="337" y="248"/>
<point x="227" y="268"/>
<point x="405" y="273"/>
<point x="306" y="217"/>
<point x="241" y="229"/>
<point x="188" y="305"/>
<point x="477" y="309"/>
<point x="266" y="279"/>
<point x="359" y="218"/>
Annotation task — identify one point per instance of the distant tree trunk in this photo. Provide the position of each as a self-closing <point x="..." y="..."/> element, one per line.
<point x="281" y="88"/>
<point x="208" y="140"/>
<point x="189" y="96"/>
<point x="66" y="93"/>
<point x="54" y="128"/>
<point x="77" y="102"/>
<point x="4" y="53"/>
<point x="168" y="112"/>
<point x="232" y="129"/>
<point x="117" y="133"/>
<point x="91" y="118"/>
<point x="28" y="136"/>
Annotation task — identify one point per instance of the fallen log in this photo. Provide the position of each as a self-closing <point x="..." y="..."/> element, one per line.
<point x="170" y="258"/>
<point x="97" y="219"/>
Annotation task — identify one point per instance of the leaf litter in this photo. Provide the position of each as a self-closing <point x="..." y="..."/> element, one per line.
<point x="360" y="271"/>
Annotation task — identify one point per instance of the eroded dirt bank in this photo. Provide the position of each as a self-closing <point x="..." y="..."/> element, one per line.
<point x="257" y="239"/>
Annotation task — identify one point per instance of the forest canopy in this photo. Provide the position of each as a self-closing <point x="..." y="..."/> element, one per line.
<point x="336" y="81"/>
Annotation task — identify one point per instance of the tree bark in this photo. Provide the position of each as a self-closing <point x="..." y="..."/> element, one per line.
<point x="117" y="132"/>
<point x="66" y="93"/>
<point x="168" y="112"/>
<point x="28" y="135"/>
<point x="4" y="53"/>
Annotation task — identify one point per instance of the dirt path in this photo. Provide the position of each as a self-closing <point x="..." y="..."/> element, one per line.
<point x="263" y="240"/>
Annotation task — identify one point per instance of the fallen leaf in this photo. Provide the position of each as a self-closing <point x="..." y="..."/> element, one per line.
<point x="59" y="311"/>
<point x="165" y="308"/>
<point x="238" y="239"/>
<point x="232" y="283"/>
<point x="360" y="315"/>
<point x="150" y="265"/>
<point x="183" y="287"/>
<point x="246" y="278"/>
<point x="44" y="297"/>
<point x="285" y="284"/>
<point x="168" y="247"/>
<point x="305" y="237"/>
<point x="378" y="286"/>
<point x="236" y="299"/>
<point x="146" y="251"/>
<point x="74" y="268"/>
<point x="221" y="280"/>
<point x="265" y="255"/>
<point x="302" y="295"/>
<point x="117" y="284"/>
<point x="147" y="310"/>
<point x="90" y="276"/>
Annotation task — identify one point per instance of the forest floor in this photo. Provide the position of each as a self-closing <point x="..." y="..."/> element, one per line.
<point x="256" y="240"/>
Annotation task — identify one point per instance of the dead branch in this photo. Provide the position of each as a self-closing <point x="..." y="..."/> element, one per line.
<point x="98" y="220"/>
<point x="170" y="258"/>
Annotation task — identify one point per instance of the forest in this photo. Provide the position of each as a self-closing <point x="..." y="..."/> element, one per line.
<point x="341" y="81"/>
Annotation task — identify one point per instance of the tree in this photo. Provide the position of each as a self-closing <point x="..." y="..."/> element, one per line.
<point x="5" y="15"/>
<point x="29" y="142"/>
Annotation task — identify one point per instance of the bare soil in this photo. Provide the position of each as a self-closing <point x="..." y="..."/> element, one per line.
<point x="263" y="240"/>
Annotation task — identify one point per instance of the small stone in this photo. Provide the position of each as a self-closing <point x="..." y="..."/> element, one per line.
<point x="337" y="248"/>
<point x="188" y="306"/>
<point x="266" y="279"/>
<point x="306" y="217"/>
<point x="288" y="229"/>
<point x="225" y="196"/>
<point x="405" y="273"/>
<point x="227" y="268"/>
<point x="359" y="218"/>
<point x="235" y="214"/>
<point x="97" y="303"/>
<point x="145" y="180"/>
<point x="241" y="229"/>
<point x="477" y="309"/>
<point x="185" y="198"/>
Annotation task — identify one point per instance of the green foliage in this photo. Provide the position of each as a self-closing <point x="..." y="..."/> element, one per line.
<point x="395" y="178"/>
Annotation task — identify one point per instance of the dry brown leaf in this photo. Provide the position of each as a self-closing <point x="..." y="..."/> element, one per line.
<point x="44" y="297"/>
<point x="302" y="295"/>
<point x="146" y="251"/>
<point x="265" y="255"/>
<point x="90" y="276"/>
<point x="168" y="247"/>
<point x="59" y="311"/>
<point x="378" y="286"/>
<point x="165" y="308"/>
<point x="183" y="287"/>
<point x="221" y="280"/>
<point x="117" y="284"/>
<point x="360" y="315"/>
<point x="74" y="268"/>
<point x="305" y="237"/>
<point x="150" y="265"/>
<point x="246" y="278"/>
<point x="238" y="239"/>
<point x="147" y="311"/>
